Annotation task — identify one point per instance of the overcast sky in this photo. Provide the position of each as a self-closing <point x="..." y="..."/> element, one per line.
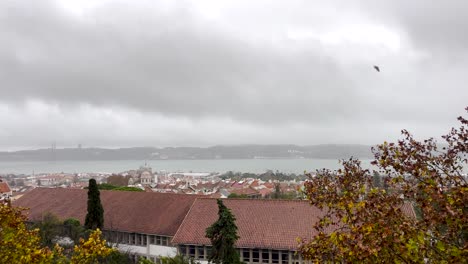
<point x="206" y="72"/>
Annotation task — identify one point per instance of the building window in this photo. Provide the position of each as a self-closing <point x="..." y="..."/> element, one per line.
<point x="191" y="252"/>
<point x="274" y="257"/>
<point x="126" y="237"/>
<point x="208" y="252"/>
<point x="131" y="239"/>
<point x="201" y="252"/>
<point x="246" y="255"/>
<point x="183" y="250"/>
<point x="144" y="240"/>
<point x="138" y="239"/>
<point x="284" y="257"/>
<point x="152" y="239"/>
<point x="265" y="256"/>
<point x="158" y="240"/>
<point x="164" y="241"/>
<point x="297" y="258"/>
<point x="255" y="256"/>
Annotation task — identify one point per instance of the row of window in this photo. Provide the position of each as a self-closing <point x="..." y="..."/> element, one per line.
<point x="246" y="255"/>
<point x="136" y="239"/>
<point x="197" y="252"/>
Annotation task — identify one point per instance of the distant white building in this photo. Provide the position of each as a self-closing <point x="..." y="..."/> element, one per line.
<point x="146" y="178"/>
<point x="51" y="180"/>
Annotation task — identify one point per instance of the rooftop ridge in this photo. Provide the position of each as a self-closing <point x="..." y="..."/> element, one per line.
<point x="250" y="199"/>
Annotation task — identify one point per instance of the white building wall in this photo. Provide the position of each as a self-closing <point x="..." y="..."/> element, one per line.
<point x="164" y="251"/>
<point x="132" y="249"/>
<point x="149" y="250"/>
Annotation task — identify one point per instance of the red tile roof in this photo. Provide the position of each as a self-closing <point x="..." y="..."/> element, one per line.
<point x="274" y="224"/>
<point x="261" y="223"/>
<point x="4" y="187"/>
<point x="264" y="192"/>
<point x="238" y="185"/>
<point x="142" y="212"/>
<point x="246" y="191"/>
<point x="254" y="183"/>
<point x="216" y="195"/>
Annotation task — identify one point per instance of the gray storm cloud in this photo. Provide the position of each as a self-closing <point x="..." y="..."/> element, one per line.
<point x="246" y="68"/>
<point x="186" y="68"/>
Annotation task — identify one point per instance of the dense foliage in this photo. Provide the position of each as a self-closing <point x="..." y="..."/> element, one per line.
<point x="118" y="180"/>
<point x="110" y="187"/>
<point x="18" y="244"/>
<point x="48" y="229"/>
<point x="106" y="186"/>
<point x="266" y="176"/>
<point x="92" y="250"/>
<point x="370" y="221"/>
<point x="178" y="259"/>
<point x="95" y="216"/>
<point x="237" y="196"/>
<point x="73" y="229"/>
<point x="223" y="236"/>
<point x="128" y="189"/>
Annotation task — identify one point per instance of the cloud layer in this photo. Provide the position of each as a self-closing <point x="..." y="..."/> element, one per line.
<point x="124" y="73"/>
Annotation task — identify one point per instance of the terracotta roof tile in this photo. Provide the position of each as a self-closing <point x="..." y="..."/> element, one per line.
<point x="246" y="191"/>
<point x="4" y="187"/>
<point x="142" y="212"/>
<point x="254" y="183"/>
<point x="215" y="195"/>
<point x="261" y="223"/>
<point x="265" y="192"/>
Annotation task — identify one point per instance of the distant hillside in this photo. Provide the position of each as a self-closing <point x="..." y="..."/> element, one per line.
<point x="215" y="152"/>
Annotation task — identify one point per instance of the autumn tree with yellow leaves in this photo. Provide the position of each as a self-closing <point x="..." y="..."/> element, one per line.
<point x="92" y="250"/>
<point x="18" y="244"/>
<point x="366" y="223"/>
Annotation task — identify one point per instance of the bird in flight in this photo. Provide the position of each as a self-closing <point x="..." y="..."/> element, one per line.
<point x="377" y="68"/>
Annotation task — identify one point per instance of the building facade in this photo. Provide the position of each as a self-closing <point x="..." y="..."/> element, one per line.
<point x="141" y="224"/>
<point x="154" y="225"/>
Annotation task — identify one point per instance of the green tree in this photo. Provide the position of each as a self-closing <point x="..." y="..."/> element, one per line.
<point x="49" y="228"/>
<point x="178" y="259"/>
<point x="223" y="236"/>
<point x="95" y="216"/>
<point x="106" y="186"/>
<point x="236" y="196"/>
<point x="364" y="223"/>
<point x="128" y="189"/>
<point x="74" y="229"/>
<point x="277" y="194"/>
<point x="116" y="257"/>
<point x="118" y="180"/>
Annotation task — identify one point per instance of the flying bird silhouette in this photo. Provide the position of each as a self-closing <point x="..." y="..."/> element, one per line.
<point x="377" y="68"/>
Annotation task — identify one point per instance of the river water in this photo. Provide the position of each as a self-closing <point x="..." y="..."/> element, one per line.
<point x="220" y="165"/>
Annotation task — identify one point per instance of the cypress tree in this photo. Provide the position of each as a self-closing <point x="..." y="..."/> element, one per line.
<point x="223" y="236"/>
<point x="95" y="216"/>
